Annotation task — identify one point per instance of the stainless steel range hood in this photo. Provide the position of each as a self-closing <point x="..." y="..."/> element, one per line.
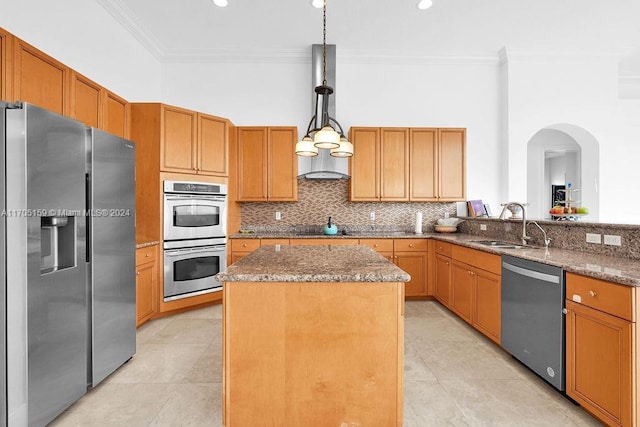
<point x="323" y="166"/>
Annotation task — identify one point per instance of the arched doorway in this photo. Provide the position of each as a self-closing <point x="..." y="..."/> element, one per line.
<point x="550" y="150"/>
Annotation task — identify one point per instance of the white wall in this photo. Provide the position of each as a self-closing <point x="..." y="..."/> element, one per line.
<point x="435" y="92"/>
<point x="580" y="91"/>
<point x="82" y="35"/>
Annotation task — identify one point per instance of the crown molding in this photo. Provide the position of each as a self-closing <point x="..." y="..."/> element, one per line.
<point x="507" y="54"/>
<point x="125" y="17"/>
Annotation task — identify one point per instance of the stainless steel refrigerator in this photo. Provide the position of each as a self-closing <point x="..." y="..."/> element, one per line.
<point x="48" y="321"/>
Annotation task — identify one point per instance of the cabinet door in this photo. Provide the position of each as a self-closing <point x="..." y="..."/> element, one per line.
<point x="423" y="170"/>
<point x="599" y="363"/>
<point x="282" y="166"/>
<point x="116" y="115"/>
<point x="486" y="315"/>
<point x="452" y="184"/>
<point x="145" y="291"/>
<point x="40" y="79"/>
<point x="252" y="164"/>
<point x="213" y="150"/>
<point x="462" y="280"/>
<point x="443" y="279"/>
<point x="86" y="100"/>
<point x="394" y="164"/>
<point x="364" y="164"/>
<point x="414" y="263"/>
<point x="178" y="140"/>
<point x="6" y="68"/>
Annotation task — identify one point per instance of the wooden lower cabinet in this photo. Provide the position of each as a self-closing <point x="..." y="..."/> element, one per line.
<point x="412" y="256"/>
<point x="241" y="248"/>
<point x="475" y="288"/>
<point x="602" y="349"/>
<point x="146" y="283"/>
<point x="442" y="282"/>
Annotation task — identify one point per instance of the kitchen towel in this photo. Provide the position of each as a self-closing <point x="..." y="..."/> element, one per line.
<point x="418" y="223"/>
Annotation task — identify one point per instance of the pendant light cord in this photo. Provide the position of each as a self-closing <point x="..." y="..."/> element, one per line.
<point x="324" y="42"/>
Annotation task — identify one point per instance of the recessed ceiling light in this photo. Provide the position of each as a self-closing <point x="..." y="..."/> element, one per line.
<point x="221" y="3"/>
<point x="425" y="4"/>
<point x="317" y="3"/>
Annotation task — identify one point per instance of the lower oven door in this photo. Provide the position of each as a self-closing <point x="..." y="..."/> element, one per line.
<point x="190" y="271"/>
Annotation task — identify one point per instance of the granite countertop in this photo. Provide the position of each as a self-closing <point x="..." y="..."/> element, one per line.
<point x="624" y="271"/>
<point x="613" y="269"/>
<point x="313" y="263"/>
<point x="143" y="243"/>
<point x="318" y="235"/>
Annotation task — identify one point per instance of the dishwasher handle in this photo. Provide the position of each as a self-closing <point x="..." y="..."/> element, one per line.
<point x="530" y="273"/>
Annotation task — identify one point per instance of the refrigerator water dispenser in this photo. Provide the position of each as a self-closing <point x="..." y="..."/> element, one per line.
<point x="57" y="243"/>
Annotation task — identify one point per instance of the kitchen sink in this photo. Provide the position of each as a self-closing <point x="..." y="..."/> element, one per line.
<point x="499" y="245"/>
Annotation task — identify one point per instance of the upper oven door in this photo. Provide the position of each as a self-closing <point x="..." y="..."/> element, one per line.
<point x="189" y="216"/>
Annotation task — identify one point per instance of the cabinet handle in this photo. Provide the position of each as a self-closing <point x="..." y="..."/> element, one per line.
<point x="375" y="245"/>
<point x="137" y="273"/>
<point x="147" y="255"/>
<point x="244" y="245"/>
<point x="447" y="262"/>
<point x="592" y="294"/>
<point x="410" y="245"/>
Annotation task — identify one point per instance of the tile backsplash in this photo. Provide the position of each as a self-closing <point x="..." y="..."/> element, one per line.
<point x="320" y="199"/>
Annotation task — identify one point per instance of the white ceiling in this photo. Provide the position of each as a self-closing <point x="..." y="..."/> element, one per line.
<point x="197" y="30"/>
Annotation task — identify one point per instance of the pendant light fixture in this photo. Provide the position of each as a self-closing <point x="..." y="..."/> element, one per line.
<point x="329" y="134"/>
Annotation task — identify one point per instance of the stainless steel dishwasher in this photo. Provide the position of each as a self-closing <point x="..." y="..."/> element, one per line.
<point x="532" y="317"/>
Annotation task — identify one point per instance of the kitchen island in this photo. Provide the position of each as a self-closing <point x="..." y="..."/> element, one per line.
<point x="313" y="335"/>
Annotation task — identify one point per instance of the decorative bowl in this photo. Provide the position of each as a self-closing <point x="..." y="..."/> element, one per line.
<point x="449" y="221"/>
<point x="446" y="228"/>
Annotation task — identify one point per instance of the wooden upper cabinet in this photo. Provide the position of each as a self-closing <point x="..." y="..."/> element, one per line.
<point x="193" y="142"/>
<point x="282" y="166"/>
<point x="423" y="164"/>
<point x="86" y="100"/>
<point x="6" y="66"/>
<point x="394" y="164"/>
<point x="452" y="164"/>
<point x="179" y="139"/>
<point x="116" y="114"/>
<point x="407" y="164"/>
<point x="213" y="149"/>
<point x="252" y="163"/>
<point x="39" y="79"/>
<point x="364" y="164"/>
<point x="267" y="165"/>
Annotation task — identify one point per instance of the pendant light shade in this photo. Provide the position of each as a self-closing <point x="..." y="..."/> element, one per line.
<point x="345" y="149"/>
<point x="324" y="131"/>
<point x="326" y="138"/>
<point x="306" y="148"/>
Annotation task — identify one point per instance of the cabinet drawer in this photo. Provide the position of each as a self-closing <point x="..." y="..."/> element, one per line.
<point x="379" y="245"/>
<point x="410" y="245"/>
<point x="144" y="255"/>
<point x="244" y="245"/>
<point x="443" y="248"/>
<point x="600" y="295"/>
<point x="480" y="259"/>
<point x="265" y="242"/>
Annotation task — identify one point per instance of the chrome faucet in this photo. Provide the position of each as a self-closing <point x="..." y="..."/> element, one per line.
<point x="524" y="237"/>
<point x="544" y="233"/>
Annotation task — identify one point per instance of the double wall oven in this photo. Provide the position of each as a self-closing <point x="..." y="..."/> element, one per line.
<point x="195" y="241"/>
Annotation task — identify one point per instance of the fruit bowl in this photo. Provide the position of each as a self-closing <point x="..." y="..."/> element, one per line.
<point x="446" y="228"/>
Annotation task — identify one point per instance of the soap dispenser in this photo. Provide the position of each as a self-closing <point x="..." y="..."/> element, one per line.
<point x="330" y="229"/>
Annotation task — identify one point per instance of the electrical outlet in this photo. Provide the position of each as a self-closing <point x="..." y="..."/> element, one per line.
<point x="612" y="240"/>
<point x="594" y="238"/>
<point x="446" y="214"/>
<point x="278" y="216"/>
<point x="372" y="216"/>
<point x="483" y="227"/>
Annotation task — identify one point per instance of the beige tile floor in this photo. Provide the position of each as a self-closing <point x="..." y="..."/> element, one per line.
<point x="453" y="377"/>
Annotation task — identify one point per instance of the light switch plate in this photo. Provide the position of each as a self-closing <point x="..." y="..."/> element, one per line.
<point x="278" y="216"/>
<point x="612" y="240"/>
<point x="483" y="227"/>
<point x="594" y="238"/>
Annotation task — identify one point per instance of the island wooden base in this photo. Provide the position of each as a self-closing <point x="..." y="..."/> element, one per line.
<point x="313" y="354"/>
